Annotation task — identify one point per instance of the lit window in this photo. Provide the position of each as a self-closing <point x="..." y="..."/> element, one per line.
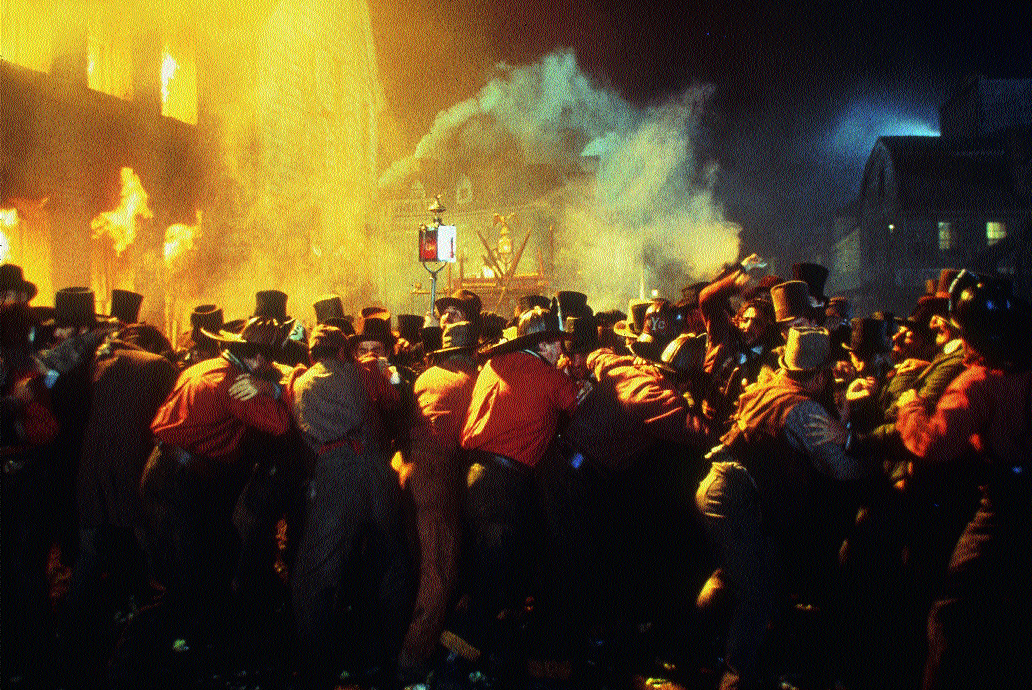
<point x="994" y="232"/>
<point x="26" y="36"/>
<point x="947" y="238"/>
<point x="109" y="66"/>
<point x="179" y="84"/>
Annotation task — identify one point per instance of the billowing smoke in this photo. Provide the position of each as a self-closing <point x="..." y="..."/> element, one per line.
<point x="636" y="210"/>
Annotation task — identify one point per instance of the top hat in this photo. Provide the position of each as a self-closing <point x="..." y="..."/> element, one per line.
<point x="374" y="326"/>
<point x="75" y="307"/>
<point x="12" y="278"/>
<point x="125" y="305"/>
<point x="791" y="301"/>
<point x="207" y="316"/>
<point x="584" y="332"/>
<point x="661" y="324"/>
<point x="568" y="303"/>
<point x="631" y="328"/>
<point x="409" y="326"/>
<point x="271" y="304"/>
<point x="431" y="337"/>
<point x="867" y="337"/>
<point x="328" y="307"/>
<point x="806" y="349"/>
<point x="814" y="275"/>
<point x="457" y="337"/>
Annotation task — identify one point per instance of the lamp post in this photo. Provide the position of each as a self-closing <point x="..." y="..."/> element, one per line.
<point x="433" y="267"/>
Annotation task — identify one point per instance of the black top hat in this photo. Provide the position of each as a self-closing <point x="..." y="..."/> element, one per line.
<point x="125" y="305"/>
<point x="867" y="337"/>
<point x="374" y="327"/>
<point x="328" y="307"/>
<point x="814" y="275"/>
<point x="791" y="301"/>
<point x="206" y="316"/>
<point x="12" y="278"/>
<point x="568" y="304"/>
<point x="431" y="337"/>
<point x="75" y="307"/>
<point x="661" y="324"/>
<point x="271" y="304"/>
<point x="409" y="326"/>
<point x="584" y="332"/>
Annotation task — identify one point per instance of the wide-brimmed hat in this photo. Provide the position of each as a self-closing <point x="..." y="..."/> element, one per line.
<point x="125" y="305"/>
<point x="791" y="301"/>
<point x="867" y="337"/>
<point x="661" y="324"/>
<point x="545" y="325"/>
<point x="806" y="349"/>
<point x="262" y="333"/>
<point x="206" y="316"/>
<point x="631" y="327"/>
<point x="814" y="275"/>
<point x="13" y="278"/>
<point x="466" y="301"/>
<point x="584" y="334"/>
<point x="457" y="337"/>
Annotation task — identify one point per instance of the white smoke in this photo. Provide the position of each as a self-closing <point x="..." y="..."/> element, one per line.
<point x="647" y="219"/>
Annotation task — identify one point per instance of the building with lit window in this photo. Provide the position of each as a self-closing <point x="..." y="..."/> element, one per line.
<point x="960" y="200"/>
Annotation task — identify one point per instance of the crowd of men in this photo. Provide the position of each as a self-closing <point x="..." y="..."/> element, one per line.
<point x="474" y="500"/>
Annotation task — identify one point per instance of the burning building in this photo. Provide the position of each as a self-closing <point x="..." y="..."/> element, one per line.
<point x="249" y="130"/>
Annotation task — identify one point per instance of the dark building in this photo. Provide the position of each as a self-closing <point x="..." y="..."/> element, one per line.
<point x="961" y="200"/>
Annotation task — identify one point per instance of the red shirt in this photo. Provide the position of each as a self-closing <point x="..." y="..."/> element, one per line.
<point x="515" y="407"/>
<point x="201" y="418"/>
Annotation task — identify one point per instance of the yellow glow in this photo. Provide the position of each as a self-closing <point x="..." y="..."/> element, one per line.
<point x="120" y="224"/>
<point x="168" y="70"/>
<point x="26" y="33"/>
<point x="179" y="239"/>
<point x="5" y="248"/>
<point x="8" y="217"/>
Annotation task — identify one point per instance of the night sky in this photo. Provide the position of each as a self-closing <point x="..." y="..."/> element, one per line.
<point x="802" y="89"/>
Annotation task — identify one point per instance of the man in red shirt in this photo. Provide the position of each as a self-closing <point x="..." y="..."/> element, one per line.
<point x="517" y="402"/>
<point x="193" y="478"/>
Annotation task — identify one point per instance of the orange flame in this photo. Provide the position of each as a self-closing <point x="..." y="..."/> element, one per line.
<point x="120" y="224"/>
<point x="179" y="239"/>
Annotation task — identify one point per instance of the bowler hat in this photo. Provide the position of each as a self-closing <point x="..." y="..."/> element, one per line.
<point x="125" y="305"/>
<point x="12" y="278"/>
<point x="791" y="301"/>
<point x="806" y="349"/>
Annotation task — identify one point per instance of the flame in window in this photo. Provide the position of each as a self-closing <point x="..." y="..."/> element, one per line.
<point x="120" y="224"/>
<point x="168" y="70"/>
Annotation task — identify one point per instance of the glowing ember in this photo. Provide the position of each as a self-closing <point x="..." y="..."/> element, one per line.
<point x="120" y="224"/>
<point x="179" y="239"/>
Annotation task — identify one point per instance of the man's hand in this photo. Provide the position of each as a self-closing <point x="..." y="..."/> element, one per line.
<point x="823" y="429"/>
<point x="246" y="387"/>
<point x="751" y="268"/>
<point x="861" y="388"/>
